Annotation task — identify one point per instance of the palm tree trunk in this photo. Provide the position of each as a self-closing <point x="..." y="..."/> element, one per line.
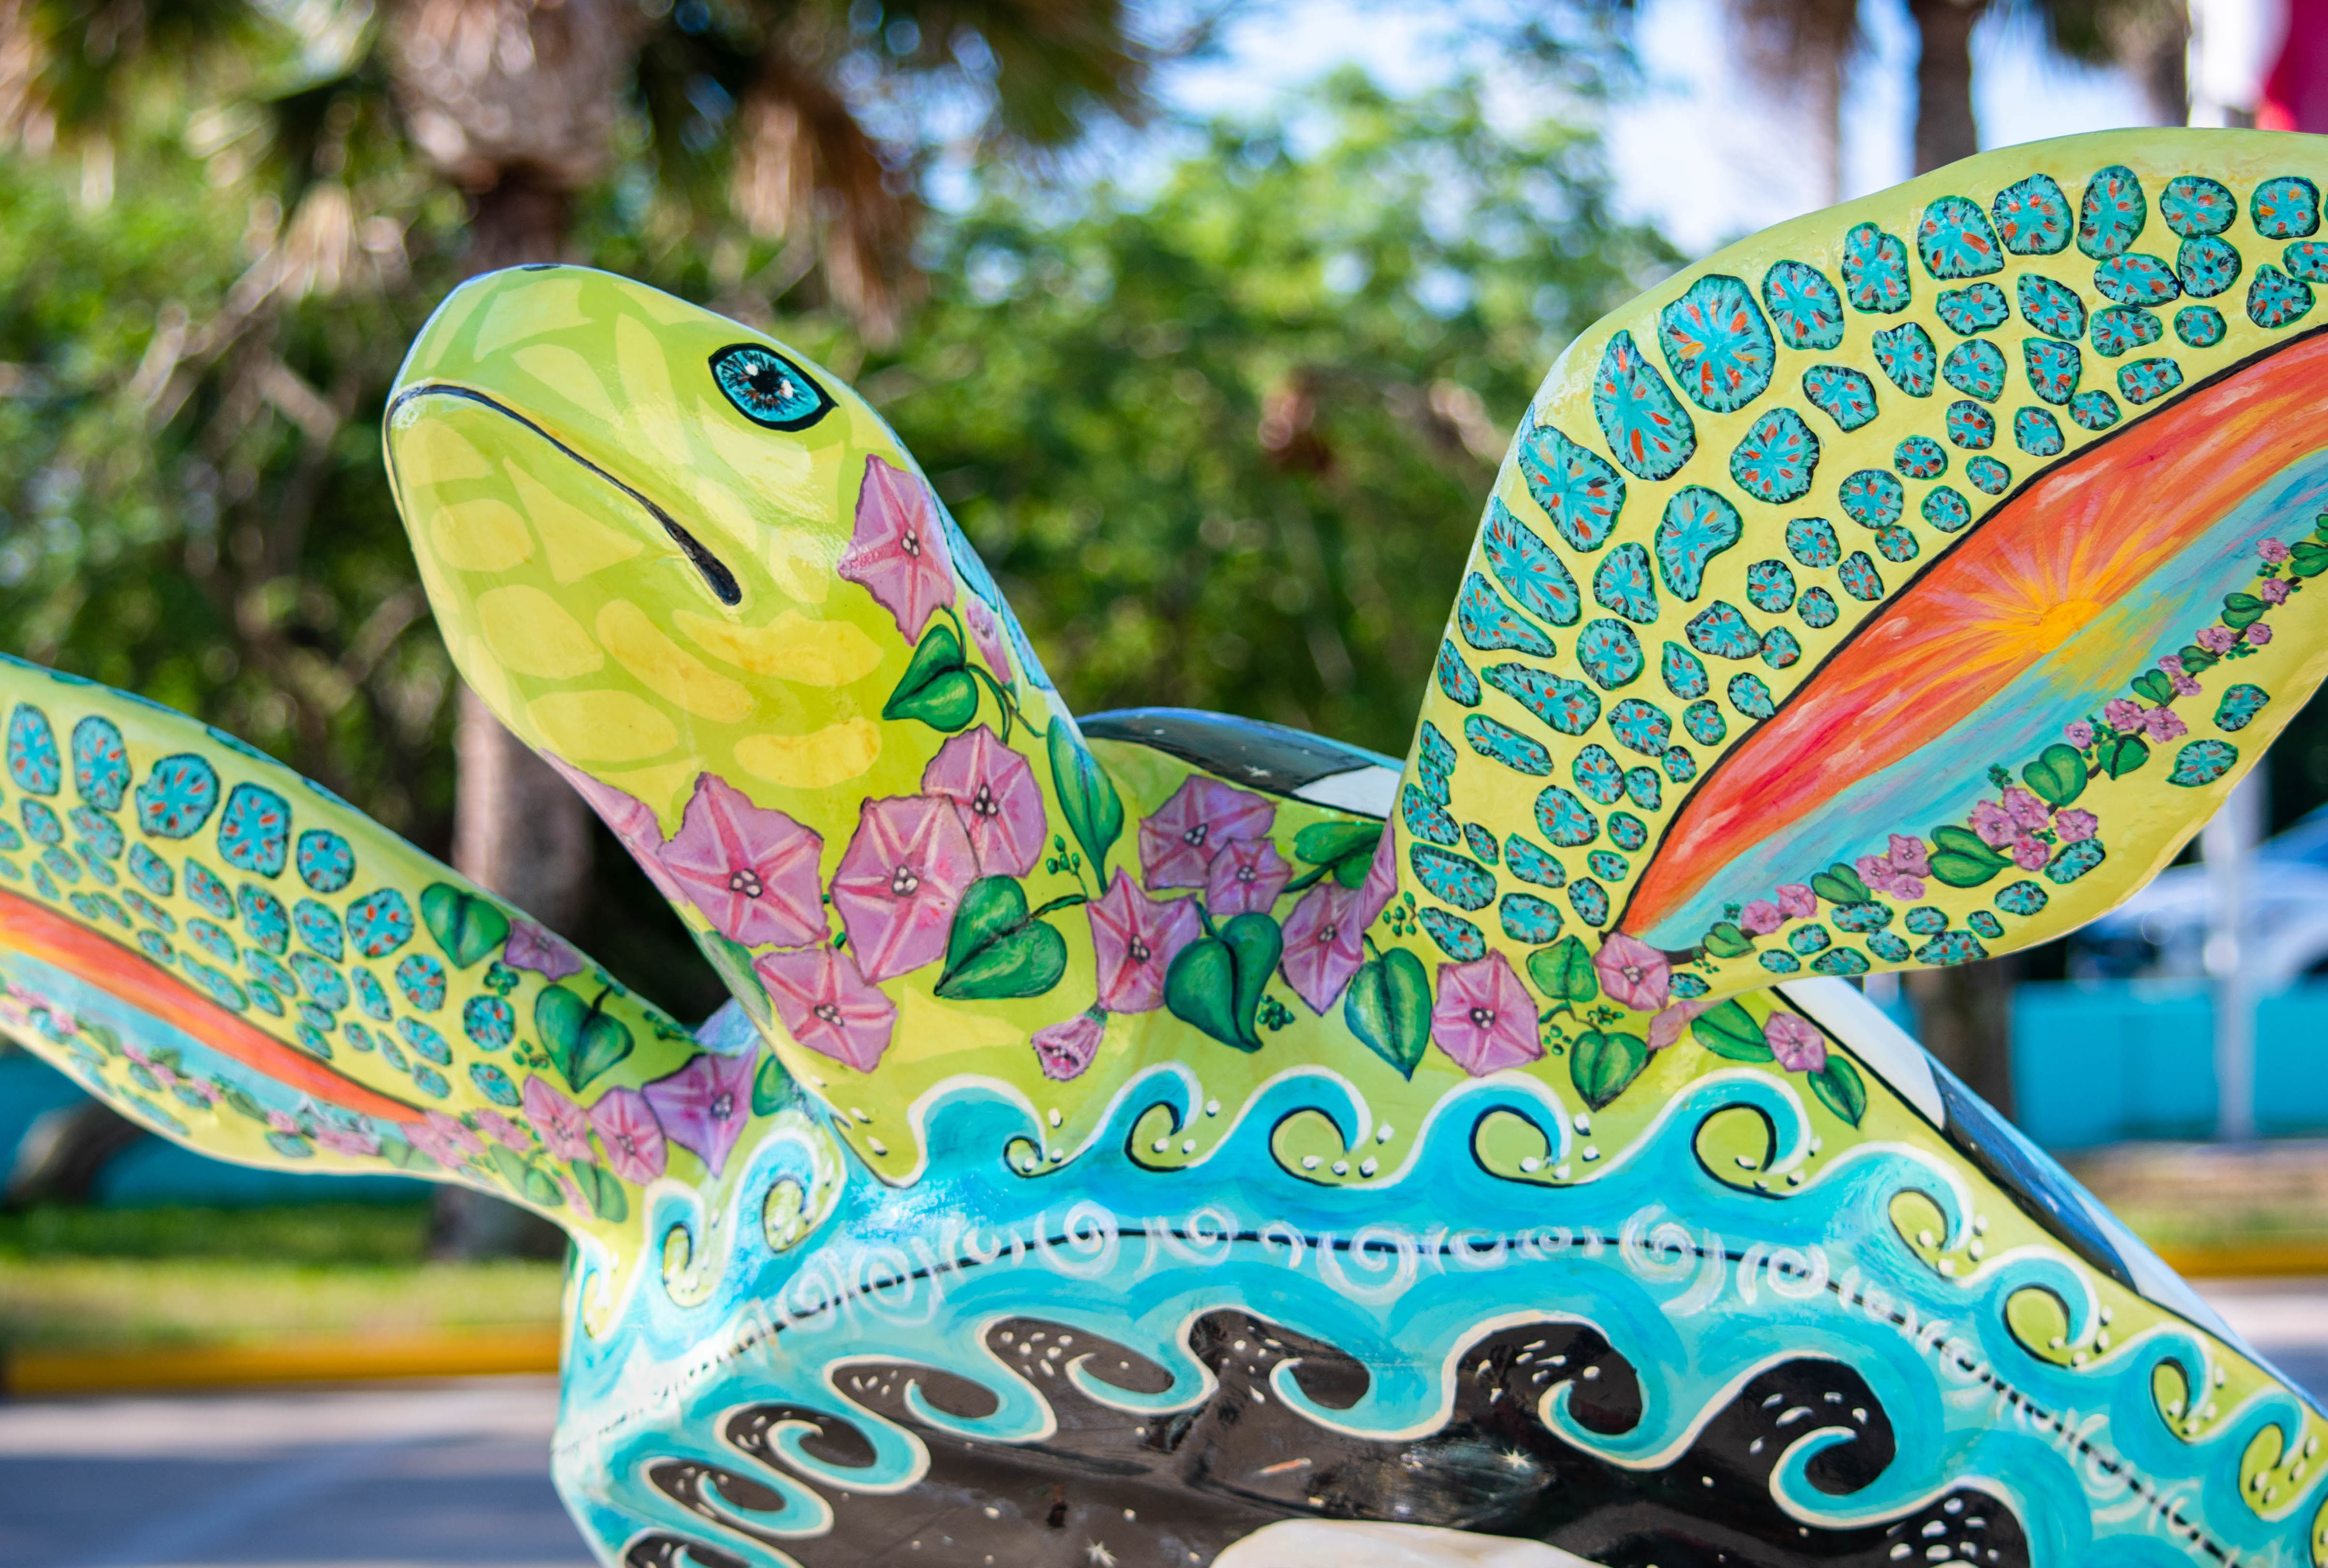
<point x="1945" y="129"/>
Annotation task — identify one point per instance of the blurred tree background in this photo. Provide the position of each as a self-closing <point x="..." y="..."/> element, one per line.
<point x="1223" y="431"/>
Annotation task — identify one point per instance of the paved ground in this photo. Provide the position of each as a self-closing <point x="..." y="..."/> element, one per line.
<point x="452" y="1475"/>
<point x="446" y="1475"/>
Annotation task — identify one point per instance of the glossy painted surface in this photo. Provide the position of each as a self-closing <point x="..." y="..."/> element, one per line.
<point x="1125" y="1142"/>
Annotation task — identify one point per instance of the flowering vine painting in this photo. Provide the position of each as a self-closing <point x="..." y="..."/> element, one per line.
<point x="1161" y="1136"/>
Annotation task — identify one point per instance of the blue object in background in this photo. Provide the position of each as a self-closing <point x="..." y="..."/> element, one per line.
<point x="2108" y="1063"/>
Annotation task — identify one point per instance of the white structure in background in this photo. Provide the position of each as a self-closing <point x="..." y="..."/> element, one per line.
<point x="2233" y="43"/>
<point x="2227" y="845"/>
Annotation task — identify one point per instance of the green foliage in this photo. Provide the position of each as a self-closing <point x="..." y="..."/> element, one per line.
<point x="1225" y="446"/>
<point x="1224" y="440"/>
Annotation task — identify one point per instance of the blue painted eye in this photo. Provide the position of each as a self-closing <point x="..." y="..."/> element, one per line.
<point x="769" y="389"/>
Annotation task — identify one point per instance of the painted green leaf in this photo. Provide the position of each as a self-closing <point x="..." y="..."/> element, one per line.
<point x="1564" y="972"/>
<point x="466" y="926"/>
<point x="1839" y="884"/>
<point x="604" y="1189"/>
<point x="935" y="687"/>
<point x="2058" y="776"/>
<point x="1333" y="843"/>
<point x="994" y="950"/>
<point x="524" y="1177"/>
<point x="2309" y="558"/>
<point x="733" y="962"/>
<point x="1961" y="859"/>
<point x="583" y="1041"/>
<point x="1603" y="1064"/>
<point x="1729" y="1030"/>
<point x="2155" y="685"/>
<point x="2120" y="754"/>
<point x="1388" y="1007"/>
<point x="403" y="1155"/>
<point x="1840" y="1088"/>
<point x="772" y="1087"/>
<point x="2195" y="658"/>
<point x="2241" y="610"/>
<point x="1095" y="812"/>
<point x="1217" y="983"/>
<point x="1726" y="941"/>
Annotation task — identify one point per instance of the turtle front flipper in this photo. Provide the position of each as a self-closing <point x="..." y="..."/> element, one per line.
<point x="236" y="958"/>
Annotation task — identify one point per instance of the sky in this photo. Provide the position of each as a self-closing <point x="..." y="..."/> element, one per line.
<point x="1675" y="144"/>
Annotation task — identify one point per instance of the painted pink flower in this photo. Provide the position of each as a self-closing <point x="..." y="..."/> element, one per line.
<point x="2273" y="551"/>
<point x="2171" y="664"/>
<point x="1325" y="943"/>
<point x="632" y="820"/>
<point x="2258" y="634"/>
<point x="1176" y="845"/>
<point x="631" y="1136"/>
<point x="752" y="870"/>
<point x="897" y="552"/>
<point x="1993" y="823"/>
<point x="2184" y="686"/>
<point x="1484" y="1018"/>
<point x="995" y="791"/>
<point x="1797" y="901"/>
<point x="986" y="636"/>
<point x="564" y="1126"/>
<point x="704" y="1107"/>
<point x="284" y="1122"/>
<point x="1761" y="918"/>
<point x="1246" y="878"/>
<point x="1796" y="1042"/>
<point x="503" y="1130"/>
<point x="2030" y="814"/>
<point x="826" y="1005"/>
<point x="900" y="881"/>
<point x="1632" y="974"/>
<point x="541" y="950"/>
<point x="1907" y="856"/>
<point x="2076" y="825"/>
<point x="2122" y="713"/>
<point x="1065" y="1050"/>
<point x="2273" y="592"/>
<point x="2165" y="724"/>
<point x="1878" y="874"/>
<point x="443" y="1138"/>
<point x="1135" y="938"/>
<point x="2030" y="853"/>
<point x="1668" y="1025"/>
<point x="2218" y="639"/>
<point x="346" y="1140"/>
<point x="2078" y="733"/>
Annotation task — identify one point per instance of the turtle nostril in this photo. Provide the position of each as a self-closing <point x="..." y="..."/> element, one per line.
<point x="722" y="581"/>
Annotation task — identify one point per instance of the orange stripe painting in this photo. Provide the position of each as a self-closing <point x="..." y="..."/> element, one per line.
<point x="28" y="928"/>
<point x="2077" y="541"/>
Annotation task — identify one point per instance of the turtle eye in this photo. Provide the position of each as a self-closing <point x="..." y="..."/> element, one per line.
<point x="769" y="389"/>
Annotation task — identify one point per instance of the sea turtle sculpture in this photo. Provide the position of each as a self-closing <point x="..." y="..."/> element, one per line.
<point x="1174" y="1141"/>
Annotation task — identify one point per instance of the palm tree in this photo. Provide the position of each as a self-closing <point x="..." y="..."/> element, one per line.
<point x="1802" y="47"/>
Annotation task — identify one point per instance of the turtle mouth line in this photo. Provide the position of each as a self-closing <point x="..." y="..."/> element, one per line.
<point x="713" y="570"/>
